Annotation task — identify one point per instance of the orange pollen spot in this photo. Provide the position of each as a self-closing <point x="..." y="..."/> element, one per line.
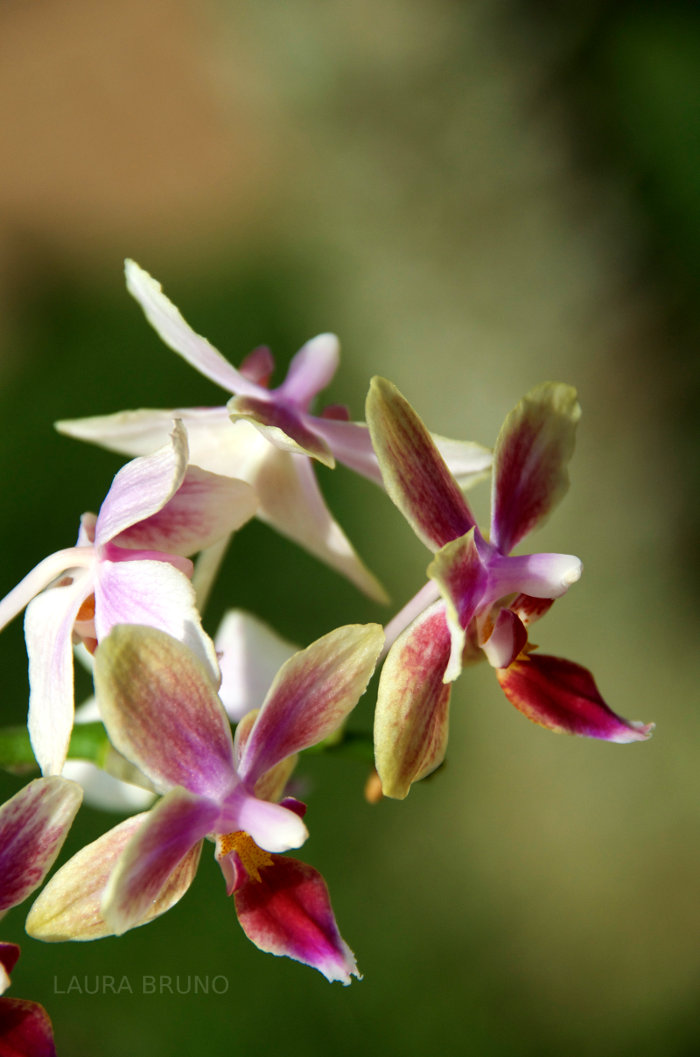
<point x="253" y="859"/>
<point x="87" y="610"/>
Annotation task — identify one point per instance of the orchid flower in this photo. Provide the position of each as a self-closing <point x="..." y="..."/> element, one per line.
<point x="33" y="826"/>
<point x="162" y="712"/>
<point x="480" y="599"/>
<point x="276" y="436"/>
<point x="128" y="566"/>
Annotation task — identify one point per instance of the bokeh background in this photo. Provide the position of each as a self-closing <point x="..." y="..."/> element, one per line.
<point x="476" y="197"/>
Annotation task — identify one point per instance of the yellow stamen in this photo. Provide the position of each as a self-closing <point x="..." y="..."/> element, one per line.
<point x="253" y="859"/>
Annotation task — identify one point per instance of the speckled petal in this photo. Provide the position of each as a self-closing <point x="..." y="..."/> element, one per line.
<point x="530" y="461"/>
<point x="33" y="826"/>
<point x="161" y="711"/>
<point x="563" y="697"/>
<point x="415" y="475"/>
<point x="288" y="912"/>
<point x="313" y="692"/>
<point x="412" y="713"/>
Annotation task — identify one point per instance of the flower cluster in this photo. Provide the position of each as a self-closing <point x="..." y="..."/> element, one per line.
<point x="205" y="733"/>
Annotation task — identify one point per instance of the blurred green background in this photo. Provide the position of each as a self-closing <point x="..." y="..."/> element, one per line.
<point x="476" y="197"/>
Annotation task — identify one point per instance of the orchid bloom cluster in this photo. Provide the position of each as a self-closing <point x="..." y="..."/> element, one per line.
<point x="201" y="736"/>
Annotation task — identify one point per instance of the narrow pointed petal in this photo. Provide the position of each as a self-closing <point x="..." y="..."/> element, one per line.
<point x="292" y="504"/>
<point x="351" y="445"/>
<point x="48" y="629"/>
<point x="288" y="912"/>
<point x="25" y="1029"/>
<point x="530" y="460"/>
<point x="64" y="561"/>
<point x="312" y="694"/>
<point x="462" y="578"/>
<point x="168" y="835"/>
<point x="33" y="826"/>
<point x="414" y="472"/>
<point x="155" y="594"/>
<point x="412" y="713"/>
<point x="311" y="370"/>
<point x="506" y="641"/>
<point x="161" y="711"/>
<point x="563" y="697"/>
<point x="70" y="906"/>
<point x="140" y="432"/>
<point x="250" y="653"/>
<point x="143" y="487"/>
<point x="205" y="508"/>
<point x="172" y="329"/>
<point x="105" y="791"/>
<point x="283" y="426"/>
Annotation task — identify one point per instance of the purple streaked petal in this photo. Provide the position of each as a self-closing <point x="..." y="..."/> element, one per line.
<point x="48" y="629"/>
<point x="250" y="654"/>
<point x="539" y="575"/>
<point x="33" y="826"/>
<point x="530" y="461"/>
<point x="415" y="475"/>
<point x="563" y="697"/>
<point x="282" y="425"/>
<point x="70" y="906"/>
<point x="411" y="717"/>
<point x="288" y="912"/>
<point x="155" y="594"/>
<point x="311" y="370"/>
<point x="25" y="1029"/>
<point x="291" y="502"/>
<point x="312" y="694"/>
<point x="143" y="487"/>
<point x="506" y="641"/>
<point x="205" y="508"/>
<point x="172" y="329"/>
<point x="161" y="711"/>
<point x="64" y="561"/>
<point x="168" y="835"/>
<point x="458" y="570"/>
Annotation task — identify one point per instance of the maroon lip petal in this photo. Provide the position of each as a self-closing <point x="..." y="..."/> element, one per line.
<point x="25" y="1029"/>
<point x="563" y="696"/>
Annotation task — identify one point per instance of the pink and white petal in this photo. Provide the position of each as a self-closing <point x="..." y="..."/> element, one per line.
<point x="205" y="508"/>
<point x="172" y="329"/>
<point x="143" y="487"/>
<point x="170" y="833"/>
<point x="161" y="711"/>
<point x="506" y="641"/>
<point x="155" y="594"/>
<point x="272" y="826"/>
<point x="415" y="475"/>
<point x="292" y="504"/>
<point x="48" y="629"/>
<point x="25" y="1029"/>
<point x="351" y="445"/>
<point x="48" y="570"/>
<point x="70" y="906"/>
<point x="459" y="572"/>
<point x="311" y="696"/>
<point x="412" y="715"/>
<point x="539" y="575"/>
<point x="530" y="460"/>
<point x="563" y="697"/>
<point x="288" y="912"/>
<point x="9" y="953"/>
<point x="250" y="654"/>
<point x="311" y="370"/>
<point x="283" y="426"/>
<point x="33" y="826"/>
